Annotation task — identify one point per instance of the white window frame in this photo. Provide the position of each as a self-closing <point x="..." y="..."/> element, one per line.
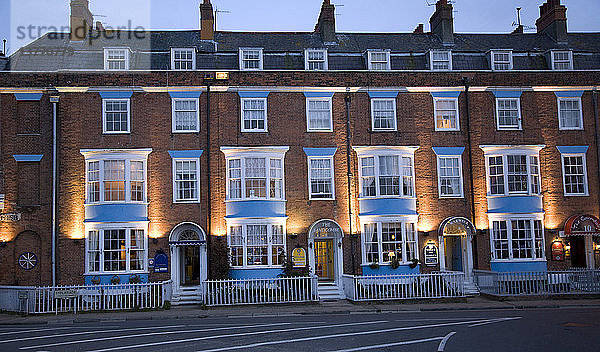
<point x="370" y="60"/>
<point x="504" y="152"/>
<point x="585" y="174"/>
<point x="460" y="175"/>
<point x="104" y="112"/>
<point x="117" y="157"/>
<point x="432" y="61"/>
<point x="519" y="116"/>
<point x="307" y="61"/>
<point x="192" y="50"/>
<point x="330" y="104"/>
<point x="128" y="227"/>
<point x="408" y="153"/>
<point x="553" y="60"/>
<point x="242" y="60"/>
<point x="509" y="237"/>
<point x="311" y="196"/>
<point x="173" y="115"/>
<point x="560" y="123"/>
<point x="126" y="52"/>
<point x="395" y="128"/>
<point x="435" y="111"/>
<point x="379" y="225"/>
<point x="494" y="62"/>
<point x="244" y="223"/>
<point x="174" y="180"/>
<point x="266" y="129"/>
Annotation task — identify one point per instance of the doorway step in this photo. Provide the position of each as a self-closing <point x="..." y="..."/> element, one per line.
<point x="329" y="291"/>
<point x="187" y="296"/>
<point x="471" y="289"/>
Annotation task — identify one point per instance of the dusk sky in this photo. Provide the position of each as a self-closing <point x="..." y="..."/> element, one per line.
<point x="289" y="15"/>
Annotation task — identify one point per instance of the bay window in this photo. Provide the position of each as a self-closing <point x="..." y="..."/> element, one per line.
<point x="118" y="180"/>
<point x="256" y="244"/>
<point x="386" y="175"/>
<point x="388" y="240"/>
<point x="513" y="170"/>
<point x="517" y="238"/>
<point x="116" y="250"/>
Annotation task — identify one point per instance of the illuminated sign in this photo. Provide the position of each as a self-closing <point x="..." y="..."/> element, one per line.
<point x="325" y="229"/>
<point x="299" y="258"/>
<point x="431" y="254"/>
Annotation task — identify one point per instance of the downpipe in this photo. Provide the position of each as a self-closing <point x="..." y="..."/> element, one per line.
<point x="54" y="100"/>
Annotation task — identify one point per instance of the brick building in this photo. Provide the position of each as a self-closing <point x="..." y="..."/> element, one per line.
<point x="377" y="154"/>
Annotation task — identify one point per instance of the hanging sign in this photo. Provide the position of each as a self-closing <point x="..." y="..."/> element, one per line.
<point x="299" y="258"/>
<point x="161" y="262"/>
<point x="431" y="254"/>
<point x="558" y="251"/>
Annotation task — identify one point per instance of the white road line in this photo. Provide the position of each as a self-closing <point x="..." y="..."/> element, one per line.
<point x="444" y="341"/>
<point x="237" y="335"/>
<point x="335" y="336"/>
<point x="87" y="333"/>
<point x="492" y="321"/>
<point x="412" y="342"/>
<point x="111" y="338"/>
<point x="38" y="330"/>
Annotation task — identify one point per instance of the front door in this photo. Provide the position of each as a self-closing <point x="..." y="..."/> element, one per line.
<point x="191" y="266"/>
<point x="324" y="267"/>
<point x="454" y="253"/>
<point x="578" y="259"/>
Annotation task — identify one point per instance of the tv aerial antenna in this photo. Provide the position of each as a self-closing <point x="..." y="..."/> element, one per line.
<point x="217" y="13"/>
<point x="518" y="22"/>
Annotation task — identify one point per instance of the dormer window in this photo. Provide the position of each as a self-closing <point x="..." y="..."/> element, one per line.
<point x="315" y="59"/>
<point x="502" y="60"/>
<point x="183" y="59"/>
<point x="379" y="60"/>
<point x="440" y="60"/>
<point x="562" y="60"/>
<point x="116" y="58"/>
<point x="251" y="59"/>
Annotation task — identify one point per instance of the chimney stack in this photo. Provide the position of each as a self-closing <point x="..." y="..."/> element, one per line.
<point x="442" y="22"/>
<point x="419" y="29"/>
<point x="99" y="26"/>
<point x="82" y="19"/>
<point x="326" y="24"/>
<point x="553" y="20"/>
<point x="207" y="21"/>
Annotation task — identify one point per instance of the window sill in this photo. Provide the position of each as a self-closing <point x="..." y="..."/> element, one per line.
<point x="382" y="130"/>
<point x="319" y="131"/>
<point x="316" y="199"/>
<point x="570" y="128"/>
<point x="255" y="131"/>
<point x="509" y="129"/>
<point x="116" y="133"/>
<point x="184" y="132"/>
<point x="253" y="199"/>
<point x="90" y="273"/>
<point x="447" y="130"/>
<point x="387" y="197"/>
<point x="257" y="267"/>
<point x="187" y="202"/>
<point x="116" y="202"/>
<point x="453" y="197"/>
<point x="517" y="260"/>
<point x="29" y="134"/>
<point x="577" y="195"/>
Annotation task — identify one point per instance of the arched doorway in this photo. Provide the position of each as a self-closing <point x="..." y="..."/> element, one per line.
<point x="187" y="243"/>
<point x="581" y="231"/>
<point x="325" y="250"/>
<point x="456" y="245"/>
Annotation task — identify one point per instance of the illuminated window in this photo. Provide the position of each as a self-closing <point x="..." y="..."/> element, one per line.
<point x="255" y="178"/>
<point x="513" y="171"/>
<point x="385" y="241"/>
<point x="256" y="244"/>
<point x="116" y="250"/>
<point x="517" y="239"/>
<point x="446" y="114"/>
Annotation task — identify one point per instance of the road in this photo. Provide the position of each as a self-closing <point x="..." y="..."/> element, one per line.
<point x="545" y="330"/>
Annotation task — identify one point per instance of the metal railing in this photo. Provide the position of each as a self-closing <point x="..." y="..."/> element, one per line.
<point x="260" y="291"/>
<point x="399" y="287"/>
<point x="538" y="283"/>
<point x="62" y="299"/>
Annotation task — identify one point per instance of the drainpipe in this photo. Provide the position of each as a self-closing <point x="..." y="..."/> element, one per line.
<point x="467" y="84"/>
<point x="348" y="100"/>
<point x="208" y="81"/>
<point x="54" y="100"/>
<point x="597" y="123"/>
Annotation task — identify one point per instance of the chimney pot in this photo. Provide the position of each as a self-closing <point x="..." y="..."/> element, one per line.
<point x="326" y="24"/>
<point x="207" y="21"/>
<point x="419" y="29"/>
<point x="442" y="22"/>
<point x="82" y="19"/>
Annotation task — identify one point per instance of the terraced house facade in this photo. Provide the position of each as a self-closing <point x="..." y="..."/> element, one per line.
<point x="378" y="154"/>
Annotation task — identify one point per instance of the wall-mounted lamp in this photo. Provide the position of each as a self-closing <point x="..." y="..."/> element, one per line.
<point x="293" y="235"/>
<point x="155" y="240"/>
<point x="424" y="233"/>
<point x="2" y="244"/>
<point x="481" y="232"/>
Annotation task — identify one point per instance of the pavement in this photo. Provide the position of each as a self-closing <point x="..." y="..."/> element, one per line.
<point x="334" y="307"/>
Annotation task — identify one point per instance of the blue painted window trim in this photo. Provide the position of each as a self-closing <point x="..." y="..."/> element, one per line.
<point x="116" y="95"/>
<point x="319" y="94"/>
<point x="28" y="96"/>
<point x="448" y="150"/>
<point x="569" y="94"/>
<point x="253" y="94"/>
<point x="185" y="95"/>
<point x="328" y="152"/>
<point x="383" y="95"/>
<point x="28" y="157"/>
<point x="182" y="154"/>
<point x="507" y="94"/>
<point x="573" y="149"/>
<point x="452" y="94"/>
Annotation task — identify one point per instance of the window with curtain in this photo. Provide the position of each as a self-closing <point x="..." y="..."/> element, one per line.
<point x="319" y="114"/>
<point x="116" y="250"/>
<point x="446" y="114"/>
<point x="186" y="115"/>
<point x="137" y="181"/>
<point x="387" y="175"/>
<point x="254" y="114"/>
<point x="316" y="59"/>
<point x="386" y="241"/>
<point x="255" y="177"/>
<point x="517" y="239"/>
<point x="383" y="114"/>
<point x="570" y="116"/>
<point x="513" y="174"/>
<point x="450" y="181"/>
<point x="186" y="180"/>
<point x="257" y="244"/>
<point x="321" y="178"/>
<point x="114" y="180"/>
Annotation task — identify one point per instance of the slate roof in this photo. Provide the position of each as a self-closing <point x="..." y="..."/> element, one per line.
<point x="285" y="50"/>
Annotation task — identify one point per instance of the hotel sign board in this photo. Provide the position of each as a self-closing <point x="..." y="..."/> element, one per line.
<point x="325" y="229"/>
<point x="299" y="258"/>
<point x="431" y="255"/>
<point x="10" y="217"/>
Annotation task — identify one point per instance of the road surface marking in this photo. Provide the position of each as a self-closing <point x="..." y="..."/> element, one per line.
<point x="442" y="345"/>
<point x="366" y="348"/>
<point x="150" y="334"/>
<point x="492" y="321"/>
<point x="237" y="335"/>
<point x="259" y="344"/>
<point x="87" y="333"/>
<point x="38" y="330"/>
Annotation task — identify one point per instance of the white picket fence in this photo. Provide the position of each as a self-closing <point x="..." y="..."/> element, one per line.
<point x="63" y="299"/>
<point x="400" y="287"/>
<point x="538" y="283"/>
<point x="260" y="291"/>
